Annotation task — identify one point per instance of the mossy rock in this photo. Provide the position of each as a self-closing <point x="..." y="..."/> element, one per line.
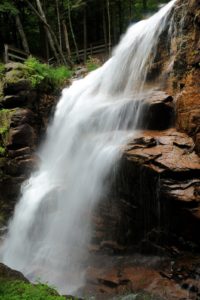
<point x="14" y="79"/>
<point x="5" y="120"/>
<point x="13" y="66"/>
<point x="14" y="286"/>
<point x="14" y="75"/>
<point x="1" y="90"/>
<point x="15" y="84"/>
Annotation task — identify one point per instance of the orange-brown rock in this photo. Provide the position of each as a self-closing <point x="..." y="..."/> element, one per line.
<point x="107" y="277"/>
<point x="186" y="73"/>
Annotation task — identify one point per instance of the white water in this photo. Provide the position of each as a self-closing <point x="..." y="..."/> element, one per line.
<point x="50" y="232"/>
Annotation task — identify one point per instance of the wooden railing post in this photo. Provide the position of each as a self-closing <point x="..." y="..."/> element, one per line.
<point x="6" y="53"/>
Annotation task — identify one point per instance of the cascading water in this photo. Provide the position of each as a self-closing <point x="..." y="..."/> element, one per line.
<point x="50" y="231"/>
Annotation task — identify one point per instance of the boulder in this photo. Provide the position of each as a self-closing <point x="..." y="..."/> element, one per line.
<point x="13" y="87"/>
<point x="14" y="66"/>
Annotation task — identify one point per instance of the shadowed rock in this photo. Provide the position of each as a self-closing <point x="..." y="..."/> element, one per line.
<point x="157" y="186"/>
<point x="7" y="273"/>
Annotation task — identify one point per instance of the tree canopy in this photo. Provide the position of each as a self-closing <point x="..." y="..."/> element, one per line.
<point x="58" y="28"/>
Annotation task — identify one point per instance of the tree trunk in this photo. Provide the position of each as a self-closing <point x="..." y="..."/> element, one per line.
<point x="105" y="30"/>
<point x="59" y="25"/>
<point x="51" y="42"/>
<point x="130" y="10"/>
<point x="66" y="37"/>
<point x="115" y="32"/>
<point x="72" y="31"/>
<point x="109" y="27"/>
<point x="22" y="34"/>
<point x="85" y="34"/>
<point x="51" y="35"/>
<point x="145" y="4"/>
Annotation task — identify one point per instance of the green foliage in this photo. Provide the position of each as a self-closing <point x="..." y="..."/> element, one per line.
<point x="38" y="72"/>
<point x="77" y="4"/>
<point x="2" y="151"/>
<point x="92" y="64"/>
<point x="4" y="121"/>
<point x="18" y="290"/>
<point x="3" y="130"/>
<point x="2" y="70"/>
<point x="8" y="7"/>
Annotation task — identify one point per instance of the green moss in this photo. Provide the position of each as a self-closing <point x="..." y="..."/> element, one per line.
<point x="39" y="75"/>
<point x="2" y="151"/>
<point x="14" y="76"/>
<point x="2" y="70"/>
<point x="5" y="119"/>
<point x="19" y="290"/>
<point x="2" y="219"/>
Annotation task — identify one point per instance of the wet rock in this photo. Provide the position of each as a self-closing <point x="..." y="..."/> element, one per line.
<point x="21" y="136"/>
<point x="157" y="187"/>
<point x="22" y="116"/>
<point x="11" y="88"/>
<point x="12" y="101"/>
<point x="7" y="273"/>
<point x="22" y="165"/>
<point x="158" y="112"/>
<point x="19" y="152"/>
<point x="119" y="276"/>
<point x="174" y="191"/>
<point x="72" y="297"/>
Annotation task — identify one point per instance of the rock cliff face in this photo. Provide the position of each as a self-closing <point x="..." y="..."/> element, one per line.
<point x="24" y="113"/>
<point x="154" y="204"/>
<point x="156" y="193"/>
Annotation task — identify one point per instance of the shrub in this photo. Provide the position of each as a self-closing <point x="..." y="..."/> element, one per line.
<point x="92" y="64"/>
<point x="38" y="72"/>
<point x="18" y="290"/>
<point x="2" y="151"/>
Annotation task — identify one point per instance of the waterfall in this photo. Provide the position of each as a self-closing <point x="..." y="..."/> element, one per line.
<point x="49" y="234"/>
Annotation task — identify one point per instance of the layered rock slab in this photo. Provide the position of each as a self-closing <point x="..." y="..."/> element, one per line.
<point x="157" y="188"/>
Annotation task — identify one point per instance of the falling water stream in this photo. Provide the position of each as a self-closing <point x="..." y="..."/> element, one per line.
<point x="49" y="234"/>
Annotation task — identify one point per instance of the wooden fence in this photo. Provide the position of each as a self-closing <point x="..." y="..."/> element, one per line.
<point x="14" y="54"/>
<point x="92" y="50"/>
